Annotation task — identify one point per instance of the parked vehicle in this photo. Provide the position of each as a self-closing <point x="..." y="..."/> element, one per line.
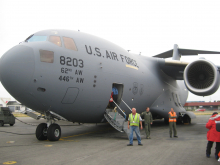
<point x="6" y="117"/>
<point x="202" y="110"/>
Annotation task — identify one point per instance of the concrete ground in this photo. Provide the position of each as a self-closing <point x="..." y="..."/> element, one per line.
<point x="101" y="144"/>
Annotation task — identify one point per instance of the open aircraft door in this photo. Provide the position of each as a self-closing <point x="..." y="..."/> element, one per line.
<point x="117" y="98"/>
<point x="120" y="88"/>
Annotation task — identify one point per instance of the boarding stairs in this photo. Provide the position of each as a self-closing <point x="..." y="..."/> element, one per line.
<point x="118" y="119"/>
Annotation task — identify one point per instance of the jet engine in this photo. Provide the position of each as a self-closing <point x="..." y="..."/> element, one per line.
<point x="201" y="77"/>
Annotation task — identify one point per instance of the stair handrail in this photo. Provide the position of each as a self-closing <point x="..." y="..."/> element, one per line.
<point x="126" y="104"/>
<point x="119" y="108"/>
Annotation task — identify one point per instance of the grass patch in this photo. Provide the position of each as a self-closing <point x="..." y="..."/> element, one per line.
<point x="19" y="115"/>
<point x="205" y="113"/>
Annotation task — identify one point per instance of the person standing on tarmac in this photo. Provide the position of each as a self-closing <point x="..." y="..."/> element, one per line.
<point x="213" y="135"/>
<point x="172" y="123"/>
<point x="148" y="120"/>
<point x="133" y="124"/>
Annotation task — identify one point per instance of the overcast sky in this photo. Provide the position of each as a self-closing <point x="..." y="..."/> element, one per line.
<point x="149" y="27"/>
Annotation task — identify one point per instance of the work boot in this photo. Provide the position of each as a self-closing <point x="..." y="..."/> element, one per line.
<point x="170" y="136"/>
<point x="216" y="157"/>
<point x="129" y="144"/>
<point x="149" y="137"/>
<point x="175" y="136"/>
<point x="140" y="144"/>
<point x="208" y="155"/>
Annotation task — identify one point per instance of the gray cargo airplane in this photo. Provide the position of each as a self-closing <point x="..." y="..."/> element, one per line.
<point x="69" y="75"/>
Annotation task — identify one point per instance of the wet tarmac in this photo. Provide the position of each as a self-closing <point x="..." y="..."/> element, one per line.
<point x="91" y="144"/>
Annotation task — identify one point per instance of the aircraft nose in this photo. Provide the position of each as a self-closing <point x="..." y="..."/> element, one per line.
<point x="16" y="69"/>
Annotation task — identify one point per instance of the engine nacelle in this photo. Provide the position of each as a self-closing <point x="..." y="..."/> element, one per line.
<point x="201" y="77"/>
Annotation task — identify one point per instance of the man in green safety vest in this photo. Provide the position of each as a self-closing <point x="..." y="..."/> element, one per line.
<point x="133" y="124"/>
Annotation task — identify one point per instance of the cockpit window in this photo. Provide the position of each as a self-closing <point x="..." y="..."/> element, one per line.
<point x="69" y="43"/>
<point x="56" y="40"/>
<point x="34" y="38"/>
<point x="29" y="37"/>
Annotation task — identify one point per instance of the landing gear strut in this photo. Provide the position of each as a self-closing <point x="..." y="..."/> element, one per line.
<point x="49" y="130"/>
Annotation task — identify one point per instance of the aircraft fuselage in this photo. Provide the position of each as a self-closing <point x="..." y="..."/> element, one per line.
<point x="77" y="84"/>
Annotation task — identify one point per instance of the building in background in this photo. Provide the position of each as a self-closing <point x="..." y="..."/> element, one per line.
<point x="209" y="106"/>
<point x="15" y="106"/>
<point x="4" y="101"/>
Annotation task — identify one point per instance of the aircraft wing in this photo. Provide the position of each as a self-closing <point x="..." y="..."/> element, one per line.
<point x="184" y="52"/>
<point x="175" y="63"/>
<point x="175" y="68"/>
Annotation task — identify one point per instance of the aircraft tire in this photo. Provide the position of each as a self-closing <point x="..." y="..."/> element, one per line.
<point x="41" y="131"/>
<point x="180" y="121"/>
<point x="166" y="121"/>
<point x="1" y="123"/>
<point x="187" y="119"/>
<point x="54" y="132"/>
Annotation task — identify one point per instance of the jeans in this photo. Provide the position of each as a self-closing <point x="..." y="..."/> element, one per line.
<point x="136" y="130"/>
<point x="115" y="98"/>
<point x="208" y="148"/>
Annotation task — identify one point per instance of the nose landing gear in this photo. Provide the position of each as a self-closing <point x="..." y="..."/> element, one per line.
<point x="49" y="130"/>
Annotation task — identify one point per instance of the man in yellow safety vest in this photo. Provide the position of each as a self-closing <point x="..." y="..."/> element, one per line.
<point x="133" y="124"/>
<point x="172" y="123"/>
